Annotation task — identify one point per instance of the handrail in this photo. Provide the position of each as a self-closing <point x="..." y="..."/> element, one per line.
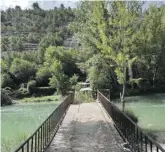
<point x="138" y="140"/>
<point x="44" y="134"/>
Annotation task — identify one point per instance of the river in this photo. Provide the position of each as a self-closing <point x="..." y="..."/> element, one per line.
<point x="18" y="121"/>
<point x="150" y="110"/>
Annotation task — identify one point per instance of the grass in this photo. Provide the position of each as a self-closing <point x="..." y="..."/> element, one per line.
<point x="83" y="97"/>
<point x="41" y="99"/>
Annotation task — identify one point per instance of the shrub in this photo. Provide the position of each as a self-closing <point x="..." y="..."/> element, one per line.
<point x="42" y="76"/>
<point x="39" y="91"/>
<point x="23" y="69"/>
<point x="5" y="99"/>
<point x="31" y="86"/>
<point x="83" y="97"/>
<point x="78" y="87"/>
<point x="73" y="81"/>
<point x="20" y="93"/>
<point x="6" y="81"/>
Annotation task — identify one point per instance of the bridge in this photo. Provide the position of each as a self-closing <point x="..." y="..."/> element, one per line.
<point x="89" y="127"/>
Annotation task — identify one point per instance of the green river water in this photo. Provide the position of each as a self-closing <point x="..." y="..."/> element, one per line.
<point x="20" y="120"/>
<point x="150" y="110"/>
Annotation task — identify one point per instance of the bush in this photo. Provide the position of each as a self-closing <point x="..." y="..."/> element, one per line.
<point x="33" y="38"/>
<point x="31" y="86"/>
<point x="20" y="93"/>
<point x="5" y="99"/>
<point x="81" y="97"/>
<point x="39" y="91"/>
<point x="131" y="115"/>
<point x="42" y="76"/>
<point x="22" y="69"/>
<point x="73" y="81"/>
<point x="6" y="81"/>
<point x="78" y="87"/>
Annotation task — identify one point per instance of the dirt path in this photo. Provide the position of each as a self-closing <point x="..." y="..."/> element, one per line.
<point x="86" y="128"/>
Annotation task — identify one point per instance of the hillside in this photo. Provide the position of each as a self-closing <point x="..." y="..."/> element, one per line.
<point x="23" y="30"/>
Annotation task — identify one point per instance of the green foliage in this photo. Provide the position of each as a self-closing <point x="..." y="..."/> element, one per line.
<point x="131" y="40"/>
<point x="81" y="97"/>
<point x="98" y="73"/>
<point x="118" y="45"/>
<point x="41" y="99"/>
<point x="60" y="81"/>
<point x="23" y="70"/>
<point x="77" y="87"/>
<point x="73" y="81"/>
<point x="35" y="5"/>
<point x="136" y="81"/>
<point x="33" y="38"/>
<point x="6" y="81"/>
<point x="4" y="66"/>
<point x="41" y="91"/>
<point x="66" y="57"/>
<point x="20" y="93"/>
<point x="15" y="44"/>
<point x="31" y="86"/>
<point x="42" y="76"/>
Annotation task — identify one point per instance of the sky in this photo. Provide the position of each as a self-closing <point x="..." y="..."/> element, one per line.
<point x="44" y="4"/>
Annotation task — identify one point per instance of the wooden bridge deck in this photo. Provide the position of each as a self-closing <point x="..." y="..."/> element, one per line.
<point x="86" y="128"/>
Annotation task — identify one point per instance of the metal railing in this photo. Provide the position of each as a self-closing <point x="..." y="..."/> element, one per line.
<point x="138" y="140"/>
<point x="43" y="136"/>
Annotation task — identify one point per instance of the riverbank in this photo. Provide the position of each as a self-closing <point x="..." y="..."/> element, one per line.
<point x="41" y="99"/>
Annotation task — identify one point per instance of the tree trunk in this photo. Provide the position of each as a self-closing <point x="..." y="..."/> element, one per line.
<point x="130" y="72"/>
<point x="154" y="76"/>
<point x="122" y="98"/>
<point x="123" y="90"/>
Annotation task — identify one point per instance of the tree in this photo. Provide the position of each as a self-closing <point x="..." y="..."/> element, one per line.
<point x="109" y="29"/>
<point x="66" y="57"/>
<point x="152" y="43"/>
<point x="73" y="81"/>
<point x="35" y="5"/>
<point x="22" y="69"/>
<point x="18" y="8"/>
<point x="59" y="80"/>
<point x="6" y="81"/>
<point x="99" y="73"/>
<point x="62" y="6"/>
<point x="43" y="75"/>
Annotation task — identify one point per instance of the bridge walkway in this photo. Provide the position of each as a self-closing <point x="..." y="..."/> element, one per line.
<point x="86" y="128"/>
